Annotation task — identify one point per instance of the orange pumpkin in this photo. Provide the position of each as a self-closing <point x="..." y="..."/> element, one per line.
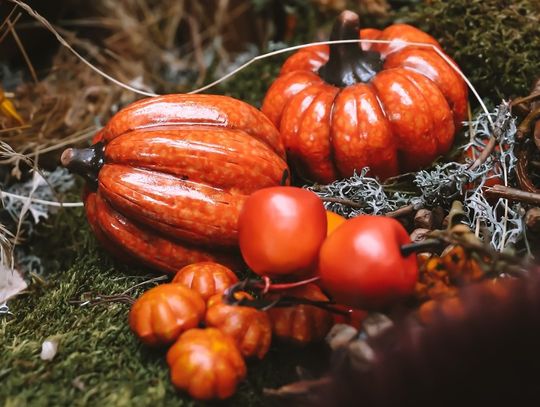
<point x="301" y="324"/>
<point x="333" y="221"/>
<point x="169" y="175"/>
<point x="206" y="364"/>
<point x="162" y="313"/>
<point x="390" y="107"/>
<point x="249" y="327"/>
<point x="207" y="278"/>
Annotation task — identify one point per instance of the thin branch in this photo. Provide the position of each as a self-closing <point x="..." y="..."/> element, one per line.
<point x="513" y="194"/>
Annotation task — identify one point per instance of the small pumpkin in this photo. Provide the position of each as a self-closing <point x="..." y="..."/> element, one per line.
<point x="162" y="313"/>
<point x="168" y="176"/>
<point x="206" y="364"/>
<point x="207" y="278"/>
<point x="249" y="327"/>
<point x="390" y="107"/>
<point x="301" y="324"/>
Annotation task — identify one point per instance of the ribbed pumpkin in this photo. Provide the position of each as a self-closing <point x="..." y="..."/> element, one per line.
<point x="391" y="107"/>
<point x="301" y="324"/>
<point x="207" y="278"/>
<point x="168" y="176"/>
<point x="162" y="313"/>
<point x="248" y="326"/>
<point x="206" y="364"/>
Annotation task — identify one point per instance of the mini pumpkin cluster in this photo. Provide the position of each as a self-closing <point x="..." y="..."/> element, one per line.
<point x="208" y="363"/>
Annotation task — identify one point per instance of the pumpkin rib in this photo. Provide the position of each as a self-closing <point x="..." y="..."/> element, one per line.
<point x="178" y="208"/>
<point x="150" y="248"/>
<point x="178" y="109"/>
<point x="408" y="117"/>
<point x="283" y="88"/>
<point x="428" y="63"/>
<point x="110" y="245"/>
<point x="441" y="115"/>
<point x="303" y="134"/>
<point x="361" y="135"/>
<point x="142" y="324"/>
<point x="218" y="157"/>
<point x="306" y="59"/>
<point x="315" y="136"/>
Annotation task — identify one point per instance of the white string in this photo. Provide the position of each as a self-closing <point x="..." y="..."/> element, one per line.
<point x="41" y="201"/>
<point x="62" y="41"/>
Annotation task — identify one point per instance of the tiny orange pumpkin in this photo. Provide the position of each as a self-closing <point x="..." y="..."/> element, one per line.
<point x="301" y="324"/>
<point x="162" y="313"/>
<point x="249" y="327"/>
<point x="206" y="364"/>
<point x="207" y="278"/>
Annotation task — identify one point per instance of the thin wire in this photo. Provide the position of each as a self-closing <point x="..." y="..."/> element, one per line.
<point x="62" y="41"/>
<point x="41" y="201"/>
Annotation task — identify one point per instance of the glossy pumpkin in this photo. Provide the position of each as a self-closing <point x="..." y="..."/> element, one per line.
<point x="249" y="327"/>
<point x="162" y="313"/>
<point x="207" y="278"/>
<point x="206" y="364"/>
<point x="301" y="324"/>
<point x="391" y="107"/>
<point x="168" y="176"/>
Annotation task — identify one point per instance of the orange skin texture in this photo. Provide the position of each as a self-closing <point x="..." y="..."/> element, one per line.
<point x="130" y="242"/>
<point x="206" y="364"/>
<point x="249" y="327"/>
<point x="301" y="324"/>
<point x="164" y="312"/>
<point x="207" y="278"/>
<point x="401" y="120"/>
<point x="333" y="220"/>
<point x="281" y="230"/>
<point x="177" y="171"/>
<point x="361" y="265"/>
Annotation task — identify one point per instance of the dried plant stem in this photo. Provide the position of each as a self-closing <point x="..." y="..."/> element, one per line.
<point x="525" y="99"/>
<point x="525" y="127"/>
<point x="513" y="194"/>
<point x="403" y="211"/>
<point x="20" y="45"/>
<point x="343" y="201"/>
<point x="486" y="152"/>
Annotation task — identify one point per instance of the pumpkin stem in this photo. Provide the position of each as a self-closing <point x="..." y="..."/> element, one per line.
<point x="348" y="63"/>
<point x="416" y="247"/>
<point x="85" y="162"/>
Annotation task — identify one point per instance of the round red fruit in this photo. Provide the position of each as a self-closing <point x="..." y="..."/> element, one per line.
<point x="361" y="264"/>
<point x="281" y="230"/>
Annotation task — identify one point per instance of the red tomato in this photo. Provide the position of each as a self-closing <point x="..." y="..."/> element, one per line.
<point x="281" y="230"/>
<point x="333" y="220"/>
<point x="361" y="265"/>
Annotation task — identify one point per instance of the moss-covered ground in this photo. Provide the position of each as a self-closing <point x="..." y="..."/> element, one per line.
<point x="99" y="361"/>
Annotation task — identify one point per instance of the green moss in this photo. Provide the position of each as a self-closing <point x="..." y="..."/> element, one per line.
<point x="495" y="42"/>
<point x="99" y="362"/>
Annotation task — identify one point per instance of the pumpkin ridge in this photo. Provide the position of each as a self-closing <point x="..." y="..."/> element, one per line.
<point x="222" y="111"/>
<point x="163" y="225"/>
<point x="141" y="240"/>
<point x="227" y="152"/>
<point x="155" y="215"/>
<point x="329" y="160"/>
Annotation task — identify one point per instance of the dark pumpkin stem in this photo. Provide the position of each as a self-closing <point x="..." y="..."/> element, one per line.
<point x="417" y="247"/>
<point x="348" y="63"/>
<point x="85" y="162"/>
